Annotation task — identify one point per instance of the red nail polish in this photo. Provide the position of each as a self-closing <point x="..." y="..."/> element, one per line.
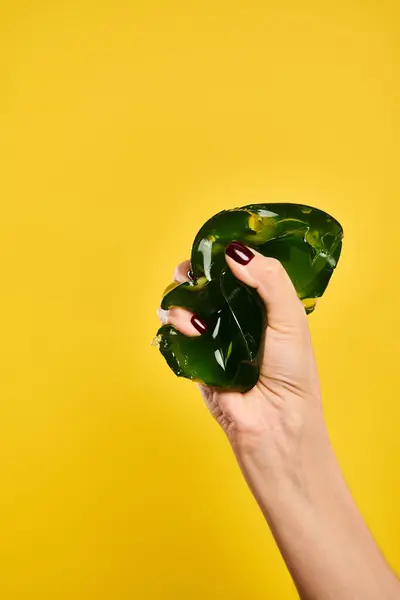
<point x="239" y="253"/>
<point x="198" y="324"/>
<point x="190" y="275"/>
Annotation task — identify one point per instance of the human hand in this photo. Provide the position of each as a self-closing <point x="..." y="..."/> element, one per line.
<point x="275" y="422"/>
<point x="280" y="440"/>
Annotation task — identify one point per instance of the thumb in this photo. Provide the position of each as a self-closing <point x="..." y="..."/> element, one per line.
<point x="285" y="310"/>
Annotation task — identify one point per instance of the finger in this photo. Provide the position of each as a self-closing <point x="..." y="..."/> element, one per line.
<point x="181" y="272"/>
<point x="183" y="320"/>
<point x="267" y="275"/>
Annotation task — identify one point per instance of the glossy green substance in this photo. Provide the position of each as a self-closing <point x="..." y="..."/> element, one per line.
<point x="307" y="242"/>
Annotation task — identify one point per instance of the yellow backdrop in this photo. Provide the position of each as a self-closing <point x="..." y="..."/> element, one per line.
<point x="125" y="125"/>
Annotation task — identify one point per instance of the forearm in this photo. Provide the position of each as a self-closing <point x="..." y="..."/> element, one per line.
<point x="323" y="539"/>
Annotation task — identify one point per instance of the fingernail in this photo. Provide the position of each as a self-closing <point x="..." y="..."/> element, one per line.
<point x="239" y="253"/>
<point x="190" y="275"/>
<point x="198" y="324"/>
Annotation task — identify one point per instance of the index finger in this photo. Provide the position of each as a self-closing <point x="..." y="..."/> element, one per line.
<point x="182" y="272"/>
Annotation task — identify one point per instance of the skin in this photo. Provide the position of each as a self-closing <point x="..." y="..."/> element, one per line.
<point x="279" y="437"/>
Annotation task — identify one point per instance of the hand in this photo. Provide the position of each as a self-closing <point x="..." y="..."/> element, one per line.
<point x="274" y="421"/>
<point x="279" y="437"/>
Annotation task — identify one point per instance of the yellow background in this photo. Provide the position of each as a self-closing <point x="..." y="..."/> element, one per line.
<point x="123" y="126"/>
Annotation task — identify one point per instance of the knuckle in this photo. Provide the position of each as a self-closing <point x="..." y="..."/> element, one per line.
<point x="174" y="313"/>
<point x="162" y="315"/>
<point x="181" y="270"/>
<point x="273" y="267"/>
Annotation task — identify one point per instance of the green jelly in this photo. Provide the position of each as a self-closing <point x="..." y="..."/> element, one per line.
<point x="307" y="242"/>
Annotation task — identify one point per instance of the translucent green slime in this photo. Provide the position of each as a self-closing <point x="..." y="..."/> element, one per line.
<point x="307" y="242"/>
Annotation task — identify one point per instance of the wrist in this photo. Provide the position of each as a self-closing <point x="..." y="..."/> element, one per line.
<point x="302" y="465"/>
